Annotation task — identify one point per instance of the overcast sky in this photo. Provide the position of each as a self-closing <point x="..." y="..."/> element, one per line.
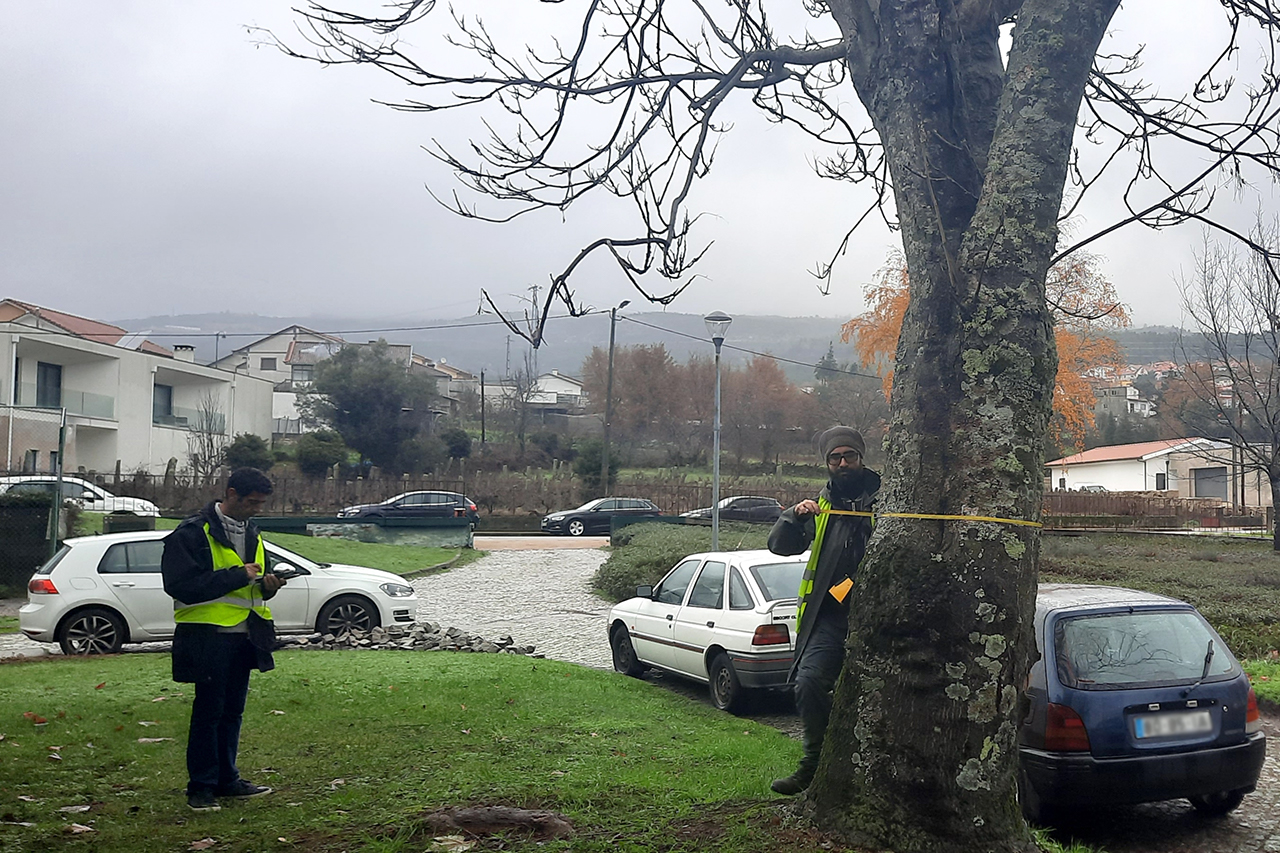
<point x="158" y="160"/>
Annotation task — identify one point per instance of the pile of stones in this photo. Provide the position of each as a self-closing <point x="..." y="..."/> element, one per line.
<point x="412" y="636"/>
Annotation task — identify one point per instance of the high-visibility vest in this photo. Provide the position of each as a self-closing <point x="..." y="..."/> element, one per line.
<point x="815" y="551"/>
<point x="232" y="608"/>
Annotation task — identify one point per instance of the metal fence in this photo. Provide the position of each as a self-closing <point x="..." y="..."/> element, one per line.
<point x="29" y="439"/>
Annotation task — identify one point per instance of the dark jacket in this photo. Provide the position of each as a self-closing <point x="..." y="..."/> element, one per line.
<point x="839" y="553"/>
<point x="189" y="577"/>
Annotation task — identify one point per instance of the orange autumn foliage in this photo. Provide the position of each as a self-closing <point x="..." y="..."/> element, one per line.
<point x="1084" y="307"/>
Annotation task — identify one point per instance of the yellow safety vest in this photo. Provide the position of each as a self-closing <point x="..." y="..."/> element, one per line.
<point x="815" y="550"/>
<point x="232" y="608"/>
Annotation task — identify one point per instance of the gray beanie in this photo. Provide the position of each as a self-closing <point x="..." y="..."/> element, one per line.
<point x="841" y="436"/>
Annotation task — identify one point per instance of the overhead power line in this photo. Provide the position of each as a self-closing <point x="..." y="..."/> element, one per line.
<point x="750" y="351"/>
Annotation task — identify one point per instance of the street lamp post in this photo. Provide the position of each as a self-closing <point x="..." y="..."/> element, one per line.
<point x="608" y="399"/>
<point x="717" y="324"/>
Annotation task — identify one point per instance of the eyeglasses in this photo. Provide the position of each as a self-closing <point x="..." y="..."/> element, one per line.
<point x="849" y="456"/>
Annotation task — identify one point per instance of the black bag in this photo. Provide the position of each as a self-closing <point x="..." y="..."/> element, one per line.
<point x="262" y="632"/>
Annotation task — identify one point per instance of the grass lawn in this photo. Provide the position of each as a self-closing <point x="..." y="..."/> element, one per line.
<point x="8" y="624"/>
<point x="1234" y="583"/>
<point x="370" y="741"/>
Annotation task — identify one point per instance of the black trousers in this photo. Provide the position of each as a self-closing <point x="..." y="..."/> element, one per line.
<point x="214" y="737"/>
<point x="816" y="675"/>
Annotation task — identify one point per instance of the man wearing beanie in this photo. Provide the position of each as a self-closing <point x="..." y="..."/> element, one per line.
<point x="838" y="544"/>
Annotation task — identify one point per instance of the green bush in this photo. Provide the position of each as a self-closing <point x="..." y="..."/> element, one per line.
<point x="457" y="441"/>
<point x="250" y="451"/>
<point x="643" y="553"/>
<point x="319" y="451"/>
<point x="26" y="499"/>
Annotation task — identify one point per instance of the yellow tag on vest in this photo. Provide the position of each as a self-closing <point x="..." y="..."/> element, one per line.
<point x="840" y="590"/>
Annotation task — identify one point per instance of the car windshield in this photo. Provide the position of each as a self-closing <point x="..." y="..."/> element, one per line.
<point x="276" y="554"/>
<point x="779" y="580"/>
<point x="588" y="505"/>
<point x="1119" y="650"/>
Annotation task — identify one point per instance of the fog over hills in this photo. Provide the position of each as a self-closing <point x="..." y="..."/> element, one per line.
<point x="482" y="342"/>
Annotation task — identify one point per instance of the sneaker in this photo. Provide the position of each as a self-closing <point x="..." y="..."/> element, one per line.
<point x="243" y="789"/>
<point x="203" y="801"/>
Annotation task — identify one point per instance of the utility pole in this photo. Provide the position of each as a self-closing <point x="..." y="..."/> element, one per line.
<point x="482" y="411"/>
<point x="608" y="399"/>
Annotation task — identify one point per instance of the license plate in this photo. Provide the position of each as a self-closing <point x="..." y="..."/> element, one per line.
<point x="1172" y="725"/>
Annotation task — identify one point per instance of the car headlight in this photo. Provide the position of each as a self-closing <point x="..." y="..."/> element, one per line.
<point x="397" y="590"/>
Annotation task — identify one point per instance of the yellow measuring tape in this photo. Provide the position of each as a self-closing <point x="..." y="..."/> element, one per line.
<point x="931" y="517"/>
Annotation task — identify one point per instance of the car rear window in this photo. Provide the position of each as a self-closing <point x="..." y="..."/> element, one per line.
<point x="779" y="580"/>
<point x="54" y="560"/>
<point x="1121" y="650"/>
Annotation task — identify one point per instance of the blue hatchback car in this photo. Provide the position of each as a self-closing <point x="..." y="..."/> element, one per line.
<point x="1135" y="698"/>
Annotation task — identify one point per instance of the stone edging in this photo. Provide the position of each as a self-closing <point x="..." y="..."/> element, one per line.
<point x="411" y="636"/>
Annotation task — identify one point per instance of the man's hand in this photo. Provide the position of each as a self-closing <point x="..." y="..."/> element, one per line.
<point x="806" y="508"/>
<point x="271" y="582"/>
<point x="252" y="570"/>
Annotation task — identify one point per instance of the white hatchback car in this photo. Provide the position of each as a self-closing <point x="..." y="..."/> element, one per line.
<point x="90" y="497"/>
<point x="725" y="618"/>
<point x="99" y="592"/>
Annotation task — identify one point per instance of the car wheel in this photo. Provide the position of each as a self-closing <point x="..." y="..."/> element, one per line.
<point x="92" y="631"/>
<point x="347" y="613"/>
<point x="624" y="654"/>
<point x="727" y="693"/>
<point x="576" y="527"/>
<point x="1034" y="809"/>
<point x="1216" y="805"/>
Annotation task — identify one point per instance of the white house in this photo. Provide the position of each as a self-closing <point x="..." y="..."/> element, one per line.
<point x="1188" y="467"/>
<point x="286" y="359"/>
<point x="127" y="400"/>
<point x="1122" y="401"/>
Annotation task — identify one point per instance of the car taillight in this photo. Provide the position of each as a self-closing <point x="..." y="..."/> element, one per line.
<point x="471" y="506"/>
<point x="44" y="586"/>
<point x="1064" y="730"/>
<point x="771" y="635"/>
<point x="1252" y="721"/>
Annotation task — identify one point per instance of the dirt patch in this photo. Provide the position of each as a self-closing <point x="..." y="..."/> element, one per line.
<point x="482" y="821"/>
<point x="774" y="825"/>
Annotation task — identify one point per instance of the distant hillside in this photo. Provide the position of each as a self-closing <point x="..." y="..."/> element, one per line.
<point x="482" y="342"/>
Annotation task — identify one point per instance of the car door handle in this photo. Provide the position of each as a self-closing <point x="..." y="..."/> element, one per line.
<point x="671" y="617"/>
<point x="711" y="624"/>
<point x="123" y="583"/>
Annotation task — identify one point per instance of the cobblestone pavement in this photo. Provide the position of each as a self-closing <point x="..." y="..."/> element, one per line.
<point x="541" y="597"/>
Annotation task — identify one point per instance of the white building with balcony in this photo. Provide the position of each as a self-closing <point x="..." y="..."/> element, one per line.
<point x="128" y="401"/>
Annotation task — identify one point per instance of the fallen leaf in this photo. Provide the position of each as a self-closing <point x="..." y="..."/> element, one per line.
<point x="595" y="734"/>
<point x="452" y="844"/>
<point x="119" y="728"/>
<point x="203" y="844"/>
<point x="147" y="723"/>
<point x="278" y="713"/>
<point x="1" y="737"/>
<point x="77" y="828"/>
<point x="557" y="772"/>
<point x="17" y="823"/>
<point x="333" y="786"/>
<point x="27" y="799"/>
<point x="100" y="686"/>
<point x="153" y="739"/>
<point x="464" y="707"/>
<point x="34" y="717"/>
<point x="283" y="840"/>
<point x="54" y="748"/>
<point x="74" y="809"/>
<point x="61" y="715"/>
<point x="53" y="756"/>
<point x="466" y="731"/>
<point x="159" y="698"/>
<point x="1264" y="678"/>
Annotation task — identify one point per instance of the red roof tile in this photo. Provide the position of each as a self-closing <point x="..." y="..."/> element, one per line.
<point x="1118" y="452"/>
<point x="82" y="327"/>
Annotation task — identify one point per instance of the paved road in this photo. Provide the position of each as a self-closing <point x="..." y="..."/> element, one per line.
<point x="541" y="597"/>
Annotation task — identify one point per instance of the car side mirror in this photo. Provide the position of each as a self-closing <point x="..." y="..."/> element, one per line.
<point x="288" y="570"/>
<point x="644" y="592"/>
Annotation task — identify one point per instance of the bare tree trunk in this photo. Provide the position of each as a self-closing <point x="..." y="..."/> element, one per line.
<point x="921" y="751"/>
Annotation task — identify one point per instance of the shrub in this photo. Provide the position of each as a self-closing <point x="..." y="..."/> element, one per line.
<point x="249" y="451"/>
<point x="319" y="451"/>
<point x="643" y="553"/>
<point x="457" y="441"/>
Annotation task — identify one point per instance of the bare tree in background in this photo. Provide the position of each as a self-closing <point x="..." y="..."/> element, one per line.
<point x="966" y="152"/>
<point x="207" y="439"/>
<point x="1233" y="297"/>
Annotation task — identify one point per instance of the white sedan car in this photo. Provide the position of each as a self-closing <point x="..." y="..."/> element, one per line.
<point x="725" y="618"/>
<point x="90" y="497"/>
<point x="99" y="592"/>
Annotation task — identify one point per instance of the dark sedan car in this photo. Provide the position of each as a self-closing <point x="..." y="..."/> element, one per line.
<point x="596" y="516"/>
<point x="417" y="505"/>
<point x="742" y="508"/>
<point x="1135" y="698"/>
